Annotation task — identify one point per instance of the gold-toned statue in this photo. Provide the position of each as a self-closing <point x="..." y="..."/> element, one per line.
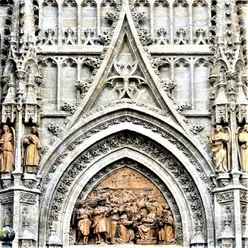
<point x="31" y="146"/>
<point x="7" y="150"/>
<point x="84" y="223"/>
<point x="242" y="143"/>
<point x="220" y="140"/>
<point x="99" y="221"/>
<point x="147" y="226"/>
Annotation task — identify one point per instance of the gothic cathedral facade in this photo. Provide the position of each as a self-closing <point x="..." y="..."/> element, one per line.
<point x="124" y="122"/>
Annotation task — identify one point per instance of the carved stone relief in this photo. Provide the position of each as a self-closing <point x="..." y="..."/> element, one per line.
<point x="131" y="203"/>
<point x="116" y="142"/>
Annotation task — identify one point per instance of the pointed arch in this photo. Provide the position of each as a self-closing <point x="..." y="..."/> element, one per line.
<point x="77" y="149"/>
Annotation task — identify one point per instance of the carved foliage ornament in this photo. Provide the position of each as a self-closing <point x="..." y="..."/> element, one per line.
<point x="135" y="121"/>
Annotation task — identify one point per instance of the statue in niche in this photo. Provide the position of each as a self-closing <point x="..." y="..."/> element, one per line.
<point x="125" y="208"/>
<point x="7" y="149"/>
<point x="220" y="141"/>
<point x="84" y="222"/>
<point x="242" y="141"/>
<point x="31" y="146"/>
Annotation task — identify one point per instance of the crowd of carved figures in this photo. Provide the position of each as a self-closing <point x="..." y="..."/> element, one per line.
<point x="124" y="216"/>
<point x="30" y="150"/>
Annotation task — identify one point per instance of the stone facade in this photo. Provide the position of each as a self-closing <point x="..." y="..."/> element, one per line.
<point x="113" y="85"/>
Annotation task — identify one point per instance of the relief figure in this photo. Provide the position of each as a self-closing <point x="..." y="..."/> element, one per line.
<point x="84" y="223"/>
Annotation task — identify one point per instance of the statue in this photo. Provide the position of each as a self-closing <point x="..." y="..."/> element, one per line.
<point x="147" y="226"/>
<point x="99" y="221"/>
<point x="6" y="150"/>
<point x="115" y="218"/>
<point x="125" y="229"/>
<point x="169" y="227"/>
<point x="31" y="146"/>
<point x="242" y="144"/>
<point x="84" y="222"/>
<point x="220" y="141"/>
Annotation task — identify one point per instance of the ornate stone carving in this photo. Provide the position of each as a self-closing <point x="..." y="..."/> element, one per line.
<point x="182" y="107"/>
<point x="242" y="139"/>
<point x="117" y="121"/>
<point x="55" y="129"/>
<point x="69" y="107"/>
<point x="128" y="140"/>
<point x="130" y="202"/>
<point x="159" y="62"/>
<point x="225" y="197"/>
<point x="104" y="38"/>
<point x="89" y="38"/>
<point x="244" y="196"/>
<point x="168" y="86"/>
<point x="200" y="35"/>
<point x="126" y="84"/>
<point x="28" y="198"/>
<point x="196" y="129"/>
<point x="69" y="37"/>
<point x="145" y="37"/>
<point x="50" y="37"/>
<point x="182" y="37"/>
<point x="6" y="198"/>
<point x="162" y="37"/>
<point x="92" y="3"/>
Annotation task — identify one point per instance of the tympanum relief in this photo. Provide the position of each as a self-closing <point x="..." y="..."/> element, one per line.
<point x="124" y="208"/>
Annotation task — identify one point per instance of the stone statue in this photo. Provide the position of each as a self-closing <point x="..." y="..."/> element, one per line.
<point x="31" y="146"/>
<point x="147" y="226"/>
<point x="115" y="218"/>
<point x="242" y="140"/>
<point x="169" y="227"/>
<point x="84" y="223"/>
<point x="99" y="221"/>
<point x="6" y="150"/>
<point x="125" y="229"/>
<point x="220" y="141"/>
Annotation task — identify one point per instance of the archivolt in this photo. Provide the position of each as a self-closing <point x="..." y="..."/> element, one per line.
<point x="85" y="161"/>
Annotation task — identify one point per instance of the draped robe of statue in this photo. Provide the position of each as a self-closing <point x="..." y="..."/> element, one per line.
<point x="84" y="223"/>
<point x="243" y="141"/>
<point x="147" y="226"/>
<point x="220" y="142"/>
<point x="125" y="229"/>
<point x="169" y="228"/>
<point x="6" y="153"/>
<point x="99" y="220"/>
<point x="31" y="153"/>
